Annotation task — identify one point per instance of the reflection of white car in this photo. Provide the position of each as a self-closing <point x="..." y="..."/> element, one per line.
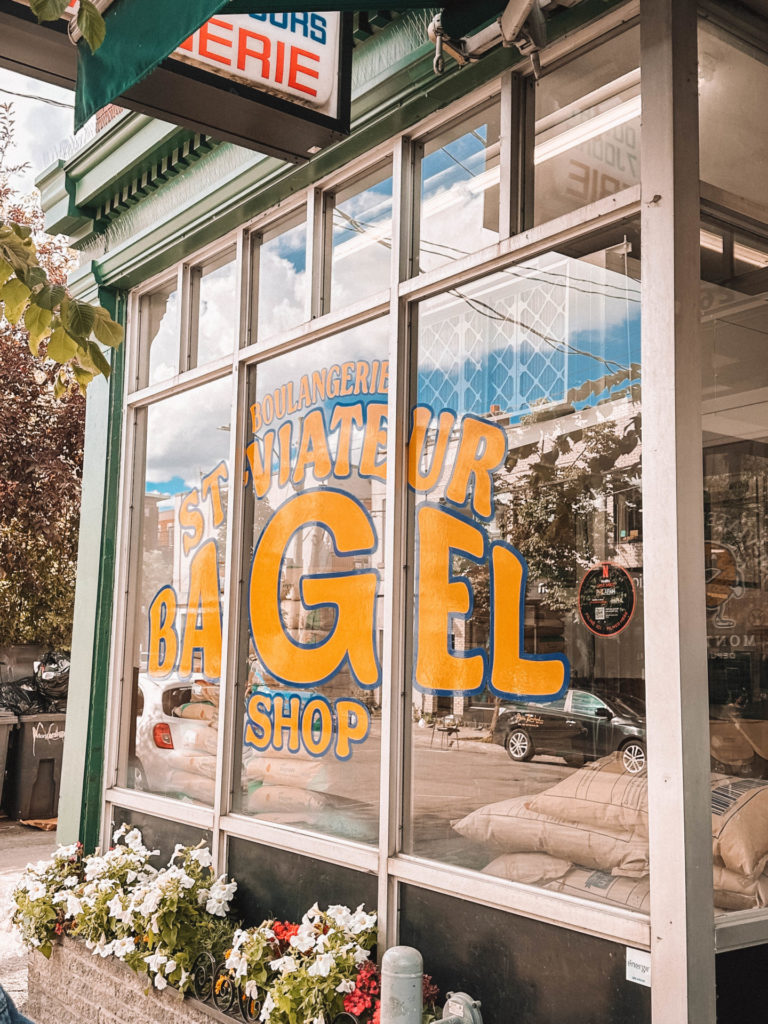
<point x="176" y="737"/>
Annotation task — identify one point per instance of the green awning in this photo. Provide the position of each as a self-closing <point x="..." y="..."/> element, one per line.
<point x="142" y="33"/>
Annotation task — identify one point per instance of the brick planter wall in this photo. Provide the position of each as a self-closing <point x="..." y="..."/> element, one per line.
<point x="75" y="987"/>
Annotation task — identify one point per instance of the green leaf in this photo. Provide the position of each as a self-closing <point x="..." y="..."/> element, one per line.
<point x="91" y="24"/>
<point x="59" y="387"/>
<point x="49" y="296"/>
<point x="78" y="318"/>
<point x="33" y="277"/>
<point x="61" y="347"/>
<point x="6" y="271"/>
<point x="24" y="231"/>
<point x="38" y="324"/>
<point x="82" y="376"/>
<point x="106" y="330"/>
<point x="48" y="10"/>
<point x="14" y="294"/>
<point x="97" y="358"/>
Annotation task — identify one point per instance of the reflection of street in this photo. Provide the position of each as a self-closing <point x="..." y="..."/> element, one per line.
<point x="450" y="782"/>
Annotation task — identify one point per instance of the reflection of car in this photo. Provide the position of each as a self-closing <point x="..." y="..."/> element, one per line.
<point x="165" y="740"/>
<point x="581" y="726"/>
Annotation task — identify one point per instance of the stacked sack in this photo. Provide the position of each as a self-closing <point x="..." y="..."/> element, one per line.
<point x="588" y="836"/>
<point x="193" y="765"/>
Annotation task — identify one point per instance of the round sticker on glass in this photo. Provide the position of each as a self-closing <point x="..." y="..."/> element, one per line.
<point x="606" y="599"/>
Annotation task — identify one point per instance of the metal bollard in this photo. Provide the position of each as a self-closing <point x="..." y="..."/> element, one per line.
<point x="401" y="977"/>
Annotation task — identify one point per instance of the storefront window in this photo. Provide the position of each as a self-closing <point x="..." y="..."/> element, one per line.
<point x="283" y="293"/>
<point x="309" y="679"/>
<point x="588" y="128"/>
<point x="171" y="725"/>
<point x="733" y="119"/>
<point x="160" y="334"/>
<point x="527" y="745"/>
<point x="361" y="229"/>
<point x="459" y="210"/>
<point x="215" y="286"/>
<point x="735" y="453"/>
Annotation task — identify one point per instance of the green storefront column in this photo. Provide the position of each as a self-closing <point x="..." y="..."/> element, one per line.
<point x="83" y="759"/>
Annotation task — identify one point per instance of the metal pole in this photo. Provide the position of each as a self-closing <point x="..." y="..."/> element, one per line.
<point x="401" y="985"/>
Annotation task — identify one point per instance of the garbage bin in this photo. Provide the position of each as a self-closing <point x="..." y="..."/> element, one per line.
<point x="34" y="770"/>
<point x="7" y="723"/>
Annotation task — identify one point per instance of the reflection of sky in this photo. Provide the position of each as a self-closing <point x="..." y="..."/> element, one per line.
<point x="362" y="244"/>
<point x="218" y="315"/>
<point x="184" y="439"/>
<point x="528" y="335"/>
<point x="164" y="347"/>
<point x="458" y="215"/>
<point x="283" y="283"/>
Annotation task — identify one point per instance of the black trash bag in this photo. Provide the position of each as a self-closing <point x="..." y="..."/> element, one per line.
<point x="52" y="677"/>
<point x="22" y="697"/>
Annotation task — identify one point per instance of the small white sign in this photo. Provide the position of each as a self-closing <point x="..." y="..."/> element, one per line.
<point x="639" y="966"/>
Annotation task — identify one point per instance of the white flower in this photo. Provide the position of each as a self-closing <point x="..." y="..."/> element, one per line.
<point x="345" y="986"/>
<point x="304" y="939"/>
<point x="183" y="978"/>
<point x="360" y="955"/>
<point x="203" y="857"/>
<point x="170" y="967"/>
<point x="267" y="1008"/>
<point x="322" y="967"/>
<point x="312" y="914"/>
<point x="36" y="890"/>
<point x="160" y="982"/>
<point x="251" y="990"/>
<point x="155" y="961"/>
<point x="123" y="947"/>
<point x="320" y="1019"/>
<point x="285" y="964"/>
<point x="65" y="852"/>
<point x="119" y="833"/>
<point x="70" y="881"/>
<point x="360" y="921"/>
<point x="133" y="839"/>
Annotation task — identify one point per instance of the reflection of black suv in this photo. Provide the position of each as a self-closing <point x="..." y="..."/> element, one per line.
<point x="580" y="727"/>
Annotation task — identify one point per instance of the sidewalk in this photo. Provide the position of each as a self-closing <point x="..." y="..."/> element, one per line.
<point x="19" y="844"/>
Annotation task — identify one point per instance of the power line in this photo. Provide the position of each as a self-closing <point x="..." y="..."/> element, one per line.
<point x="38" y="99"/>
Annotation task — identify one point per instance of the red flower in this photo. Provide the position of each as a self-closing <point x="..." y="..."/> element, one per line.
<point x="284" y="931"/>
<point x="429" y="992"/>
<point x="367" y="987"/>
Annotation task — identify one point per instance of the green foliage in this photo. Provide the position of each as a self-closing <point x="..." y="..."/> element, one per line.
<point x="89" y="19"/>
<point x="48" y="311"/>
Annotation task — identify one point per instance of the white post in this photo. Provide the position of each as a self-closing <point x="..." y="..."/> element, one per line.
<point x="682" y="919"/>
<point x="401" y="985"/>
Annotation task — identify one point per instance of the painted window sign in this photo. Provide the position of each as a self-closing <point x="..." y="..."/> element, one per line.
<point x="185" y="629"/>
<point x="314" y="438"/>
<point x="293" y="55"/>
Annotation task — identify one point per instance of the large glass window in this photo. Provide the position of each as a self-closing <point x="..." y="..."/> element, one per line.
<point x="160" y="337"/>
<point x="734" y="327"/>
<point x="182" y="479"/>
<point x="283" y="282"/>
<point x="733" y="119"/>
<point x="588" y="128"/>
<point x="361" y="238"/>
<point x="309" y="677"/>
<point x="459" y="211"/>
<point x="215" y="326"/>
<point x="527" y="743"/>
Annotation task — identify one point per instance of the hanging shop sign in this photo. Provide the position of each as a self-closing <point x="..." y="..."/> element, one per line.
<point x="606" y="599"/>
<point x="294" y="55"/>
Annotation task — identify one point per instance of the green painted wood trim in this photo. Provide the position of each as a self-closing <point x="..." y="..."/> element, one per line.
<point x="90" y="818"/>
